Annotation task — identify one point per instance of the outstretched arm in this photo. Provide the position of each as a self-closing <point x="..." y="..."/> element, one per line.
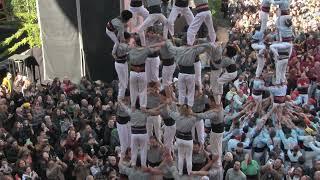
<point x="158" y="44"/>
<point x="155" y="111"/>
<point x="201" y="48"/>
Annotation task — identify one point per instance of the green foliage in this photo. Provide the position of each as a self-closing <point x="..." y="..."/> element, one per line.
<point x="215" y="6"/>
<point x="23" y="12"/>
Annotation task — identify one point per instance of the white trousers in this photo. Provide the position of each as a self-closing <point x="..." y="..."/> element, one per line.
<point x="309" y="157"/>
<point x="278" y="105"/>
<point x="123" y="75"/>
<point x="114" y="38"/>
<point x="227" y="77"/>
<point x="184" y="11"/>
<point x="140" y="11"/>
<point x="167" y="74"/>
<point x="281" y="69"/>
<point x="260" y="66"/>
<point x="214" y="76"/>
<point x="124" y="132"/>
<point x="199" y="126"/>
<point x="152" y="69"/>
<point x="197" y="71"/>
<point x="154" y="122"/>
<point x="151" y="19"/>
<point x="264" y="20"/>
<point x="257" y="98"/>
<point x="138" y="87"/>
<point x="184" y="153"/>
<point x="194" y="27"/>
<point x="216" y="145"/>
<point x="168" y="136"/>
<point x="186" y="85"/>
<point x="217" y="89"/>
<point x="139" y="141"/>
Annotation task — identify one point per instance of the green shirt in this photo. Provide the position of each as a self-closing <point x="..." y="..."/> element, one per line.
<point x="250" y="169"/>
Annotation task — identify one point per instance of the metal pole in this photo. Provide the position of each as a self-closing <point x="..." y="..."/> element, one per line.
<point x="41" y="38"/>
<point x="83" y="60"/>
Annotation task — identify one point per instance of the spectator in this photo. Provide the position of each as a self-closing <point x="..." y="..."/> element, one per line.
<point x="235" y="173"/>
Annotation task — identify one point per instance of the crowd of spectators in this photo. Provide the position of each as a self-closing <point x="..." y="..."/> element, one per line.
<point x="244" y="15"/>
<point x="65" y="130"/>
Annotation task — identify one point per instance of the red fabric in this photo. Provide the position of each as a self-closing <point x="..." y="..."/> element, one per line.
<point x="312" y="43"/>
<point x="67" y="87"/>
<point x="303" y="82"/>
<point x="305" y="64"/>
<point x="294" y="94"/>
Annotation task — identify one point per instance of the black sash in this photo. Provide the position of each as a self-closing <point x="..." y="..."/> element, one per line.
<point x="257" y="92"/>
<point x="217" y="128"/>
<point x="154" y="9"/>
<point x="123" y="120"/>
<point x="231" y="68"/>
<point x="169" y="122"/>
<point x="110" y="27"/>
<point x="135" y="3"/>
<point x="182" y="3"/>
<point x="138" y="68"/>
<point x="153" y="55"/>
<point x="184" y="135"/>
<point x="187" y="69"/>
<point x="167" y="62"/>
<point x="138" y="130"/>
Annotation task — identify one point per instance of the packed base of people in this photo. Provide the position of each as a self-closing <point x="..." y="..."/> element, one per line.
<point x="252" y="113"/>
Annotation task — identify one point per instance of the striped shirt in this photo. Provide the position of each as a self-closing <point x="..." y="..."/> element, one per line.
<point x="183" y="124"/>
<point x="257" y="84"/>
<point x="215" y="117"/>
<point x="198" y="2"/>
<point x="283" y="4"/>
<point x="138" y="118"/>
<point x="265" y="3"/>
<point x="285" y="31"/>
<point x="152" y="101"/>
<point x="119" y="26"/>
<point x="121" y="111"/>
<point x="165" y="53"/>
<point x="226" y="61"/>
<point x="186" y="55"/>
<point x="121" y="49"/>
<point x="200" y="103"/>
<point x="153" y="2"/>
<point x="138" y="56"/>
<point x="277" y="90"/>
<point x="215" y="54"/>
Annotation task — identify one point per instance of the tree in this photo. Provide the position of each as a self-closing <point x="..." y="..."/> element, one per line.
<point x="215" y="7"/>
<point x="24" y="12"/>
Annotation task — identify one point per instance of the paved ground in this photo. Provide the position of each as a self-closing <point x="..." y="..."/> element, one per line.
<point x="222" y="27"/>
